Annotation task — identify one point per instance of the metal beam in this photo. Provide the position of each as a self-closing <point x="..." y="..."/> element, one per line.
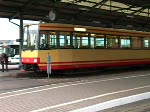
<point x="23" y="8"/>
<point x="139" y="10"/>
<point x="100" y="3"/>
<point x="86" y="11"/>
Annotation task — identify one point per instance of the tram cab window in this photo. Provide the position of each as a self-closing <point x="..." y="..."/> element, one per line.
<point x="146" y="42"/>
<point x="25" y="40"/>
<point x="125" y="42"/>
<point x="32" y="41"/>
<point x="80" y="40"/>
<point x="136" y="42"/>
<point x="65" y="39"/>
<point x="112" y="41"/>
<point x="30" y="37"/>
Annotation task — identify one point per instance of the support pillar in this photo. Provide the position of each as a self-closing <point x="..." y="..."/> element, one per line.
<point x="148" y="12"/>
<point x="21" y="36"/>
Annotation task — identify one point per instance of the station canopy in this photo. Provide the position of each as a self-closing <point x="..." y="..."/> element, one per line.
<point x="122" y="14"/>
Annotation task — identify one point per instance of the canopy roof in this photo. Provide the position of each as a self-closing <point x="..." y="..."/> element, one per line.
<point x="124" y="14"/>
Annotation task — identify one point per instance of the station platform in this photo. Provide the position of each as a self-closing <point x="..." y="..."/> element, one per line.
<point x="13" y="70"/>
<point x="91" y="95"/>
<point x="10" y="73"/>
<point x="139" y="106"/>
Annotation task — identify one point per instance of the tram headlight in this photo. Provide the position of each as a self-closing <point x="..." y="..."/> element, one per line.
<point x="35" y="60"/>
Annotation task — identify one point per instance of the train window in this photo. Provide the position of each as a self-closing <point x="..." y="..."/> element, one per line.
<point x="146" y="42"/>
<point x="97" y="41"/>
<point x="84" y="42"/>
<point x="43" y="40"/>
<point x="125" y="42"/>
<point x="65" y="39"/>
<point x="112" y="41"/>
<point x="25" y="40"/>
<point x="52" y="40"/>
<point x="31" y="40"/>
<point x="30" y="37"/>
<point x="136" y="42"/>
<point x="92" y="42"/>
<point x="80" y="40"/>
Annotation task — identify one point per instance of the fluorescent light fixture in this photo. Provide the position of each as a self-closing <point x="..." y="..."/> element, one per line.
<point x="84" y="9"/>
<point x="96" y="22"/>
<point x="93" y="34"/>
<point x="80" y="29"/>
<point x="129" y="26"/>
<point x="130" y="16"/>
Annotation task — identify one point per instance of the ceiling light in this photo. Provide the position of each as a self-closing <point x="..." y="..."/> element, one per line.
<point x="80" y="29"/>
<point x="85" y="9"/>
<point x="130" y="16"/>
<point x="96" y="22"/>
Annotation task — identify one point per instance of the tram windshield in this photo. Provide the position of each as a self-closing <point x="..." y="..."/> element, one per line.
<point x="30" y="37"/>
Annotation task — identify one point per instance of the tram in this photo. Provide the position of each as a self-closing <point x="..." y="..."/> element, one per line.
<point x="78" y="47"/>
<point x="12" y="50"/>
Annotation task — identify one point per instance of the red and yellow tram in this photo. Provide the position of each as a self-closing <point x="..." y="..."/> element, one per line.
<point x="76" y="47"/>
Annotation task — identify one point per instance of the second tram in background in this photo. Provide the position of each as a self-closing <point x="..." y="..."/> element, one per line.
<point x="77" y="47"/>
<point x="12" y="50"/>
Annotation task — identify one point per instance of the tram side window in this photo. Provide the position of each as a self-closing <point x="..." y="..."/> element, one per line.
<point x="92" y="42"/>
<point x="146" y="42"/>
<point x="136" y="42"/>
<point x="112" y="41"/>
<point x="84" y="42"/>
<point x="80" y="40"/>
<point x="97" y="41"/>
<point x="43" y="41"/>
<point x="125" y="42"/>
<point x="52" y="40"/>
<point x="65" y="39"/>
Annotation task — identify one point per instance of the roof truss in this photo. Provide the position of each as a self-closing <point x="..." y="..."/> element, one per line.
<point x="103" y="13"/>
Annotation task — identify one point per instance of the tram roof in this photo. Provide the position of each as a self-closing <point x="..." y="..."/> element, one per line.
<point x="122" y="14"/>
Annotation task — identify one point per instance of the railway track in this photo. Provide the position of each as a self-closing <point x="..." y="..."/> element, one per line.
<point x="67" y="76"/>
